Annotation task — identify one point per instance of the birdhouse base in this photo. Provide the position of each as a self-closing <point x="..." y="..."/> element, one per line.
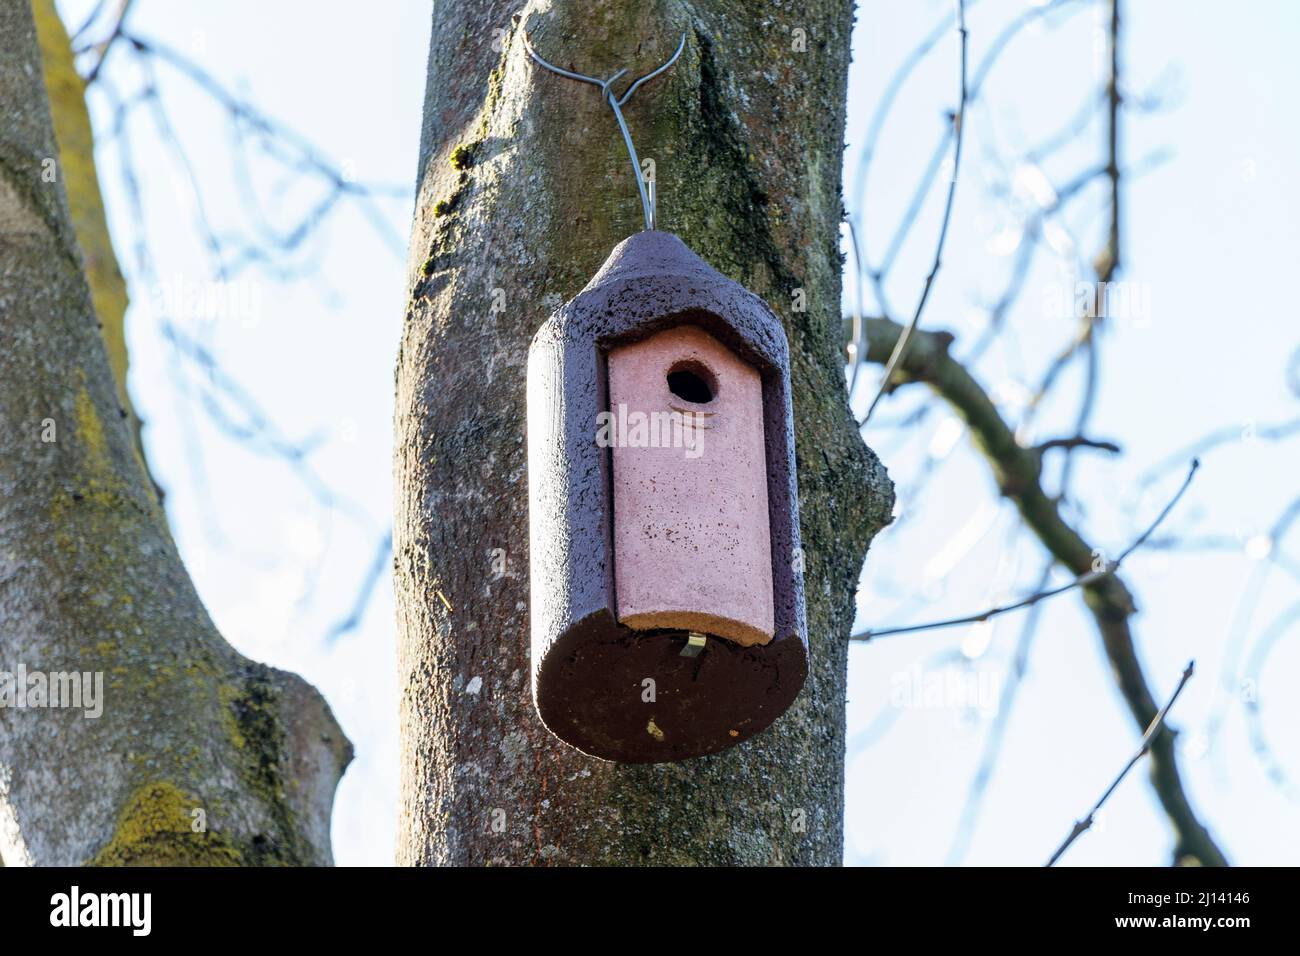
<point x="701" y="621"/>
<point x="632" y="696"/>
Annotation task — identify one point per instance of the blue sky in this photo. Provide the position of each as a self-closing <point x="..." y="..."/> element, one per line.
<point x="1210" y="242"/>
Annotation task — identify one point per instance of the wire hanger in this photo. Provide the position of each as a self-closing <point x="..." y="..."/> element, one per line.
<point x="616" y="103"/>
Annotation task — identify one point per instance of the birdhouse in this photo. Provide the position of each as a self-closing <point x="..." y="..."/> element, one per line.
<point x="667" y="591"/>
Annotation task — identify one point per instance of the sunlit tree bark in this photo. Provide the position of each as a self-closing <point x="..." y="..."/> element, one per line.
<point x="198" y="755"/>
<point x="524" y="187"/>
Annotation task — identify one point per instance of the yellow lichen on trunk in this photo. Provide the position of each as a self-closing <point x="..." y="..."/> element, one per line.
<point x="199" y="755"/>
<point x="162" y="827"/>
<point x="76" y="167"/>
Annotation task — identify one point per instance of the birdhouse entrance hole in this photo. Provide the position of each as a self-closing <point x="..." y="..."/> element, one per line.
<point x="692" y="382"/>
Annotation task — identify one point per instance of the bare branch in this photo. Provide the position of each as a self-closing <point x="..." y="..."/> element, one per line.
<point x="1108" y="263"/>
<point x="352" y="620"/>
<point x="1017" y="471"/>
<point x="1273" y="767"/>
<point x="1090" y="577"/>
<point x="1078" y="441"/>
<point x="1226" y="435"/>
<point x="997" y="733"/>
<point x="959" y="121"/>
<point x="103" y="47"/>
<point x="1082" y="826"/>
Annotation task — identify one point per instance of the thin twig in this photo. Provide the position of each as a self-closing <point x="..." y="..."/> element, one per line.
<point x="959" y="121"/>
<point x="858" y="347"/>
<point x="1114" y="101"/>
<point x="1017" y="470"/>
<point x="1082" y="826"/>
<point x="1213" y="440"/>
<point x="105" y="45"/>
<point x="993" y="741"/>
<point x="1078" y="441"/>
<point x="1273" y="767"/>
<point x="353" y="619"/>
<point x="1082" y="580"/>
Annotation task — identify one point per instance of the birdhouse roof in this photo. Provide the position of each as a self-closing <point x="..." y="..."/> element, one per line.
<point x="652" y="280"/>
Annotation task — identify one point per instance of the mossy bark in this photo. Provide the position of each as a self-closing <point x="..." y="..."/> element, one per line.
<point x="199" y="755"/>
<point x="524" y="187"/>
<point x="72" y="132"/>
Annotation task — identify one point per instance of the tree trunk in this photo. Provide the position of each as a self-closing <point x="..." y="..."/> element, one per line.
<point x="199" y="755"/>
<point x="72" y="132"/>
<point x="524" y="187"/>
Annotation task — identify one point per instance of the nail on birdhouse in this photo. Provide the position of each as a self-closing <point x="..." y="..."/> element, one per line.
<point x="667" y="603"/>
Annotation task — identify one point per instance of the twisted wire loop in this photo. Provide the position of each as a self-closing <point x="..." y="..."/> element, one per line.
<point x="616" y="104"/>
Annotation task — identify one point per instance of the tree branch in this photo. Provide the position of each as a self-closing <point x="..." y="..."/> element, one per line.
<point x="959" y="123"/>
<point x="1078" y="441"/>
<point x="1017" y="471"/>
<point x="1082" y="826"/>
<point x="1093" y="574"/>
<point x="90" y="579"/>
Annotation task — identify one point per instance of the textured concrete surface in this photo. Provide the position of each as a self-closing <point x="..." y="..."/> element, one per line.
<point x="600" y="685"/>
<point x="692" y="544"/>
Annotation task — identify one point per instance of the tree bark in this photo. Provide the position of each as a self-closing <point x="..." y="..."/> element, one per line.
<point x="75" y="139"/>
<point x="524" y="187"/>
<point x="199" y="755"/>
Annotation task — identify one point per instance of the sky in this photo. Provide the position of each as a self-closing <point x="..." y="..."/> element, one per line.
<point x="279" y="552"/>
